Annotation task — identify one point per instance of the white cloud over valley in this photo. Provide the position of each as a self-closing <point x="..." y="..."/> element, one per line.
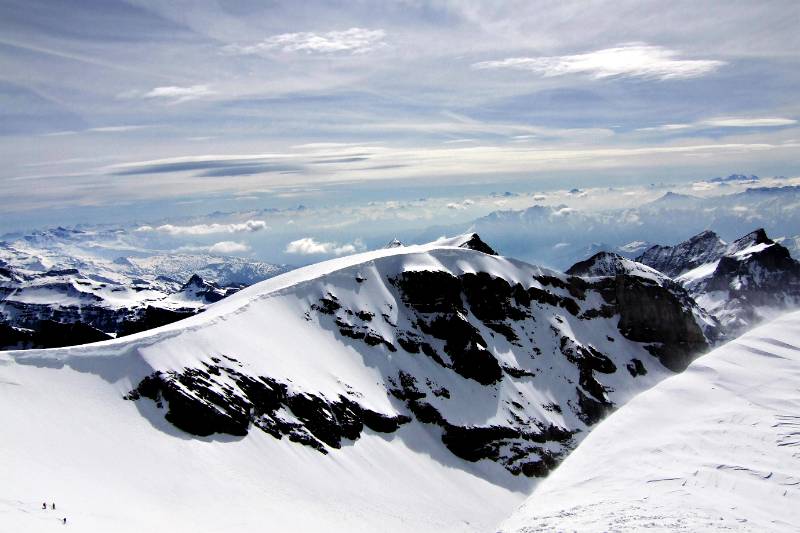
<point x="310" y="246"/>
<point x="207" y="229"/>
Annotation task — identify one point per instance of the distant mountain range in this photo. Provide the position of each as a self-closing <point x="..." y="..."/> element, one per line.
<point x="559" y="235"/>
<point x="55" y="290"/>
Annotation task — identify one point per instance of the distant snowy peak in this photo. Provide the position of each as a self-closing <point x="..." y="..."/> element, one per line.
<point x="608" y="264"/>
<point x="611" y="264"/>
<point x="394" y="243"/>
<point x="633" y="248"/>
<point x="199" y="289"/>
<point x="753" y="238"/>
<point x="701" y="249"/>
<point x="471" y="241"/>
<point x="741" y="283"/>
<point x="673" y="200"/>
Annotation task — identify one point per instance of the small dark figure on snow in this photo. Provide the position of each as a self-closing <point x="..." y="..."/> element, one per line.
<point x="44" y="505"/>
<point x="54" y="506"/>
<point x="65" y="521"/>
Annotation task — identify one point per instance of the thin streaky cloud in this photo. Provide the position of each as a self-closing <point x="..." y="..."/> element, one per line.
<point x="351" y="41"/>
<point x="179" y="94"/>
<point x="725" y="122"/>
<point x="749" y="122"/>
<point x="118" y="129"/>
<point x="632" y="60"/>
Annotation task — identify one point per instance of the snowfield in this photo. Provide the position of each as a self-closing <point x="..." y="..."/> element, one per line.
<point x="115" y="465"/>
<point x="716" y="448"/>
<point x="75" y="434"/>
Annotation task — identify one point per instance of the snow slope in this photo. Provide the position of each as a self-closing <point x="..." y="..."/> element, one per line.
<point x="714" y="448"/>
<point x="378" y="435"/>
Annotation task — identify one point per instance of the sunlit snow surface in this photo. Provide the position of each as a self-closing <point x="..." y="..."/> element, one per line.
<point x="115" y="465"/>
<point x="716" y="448"/>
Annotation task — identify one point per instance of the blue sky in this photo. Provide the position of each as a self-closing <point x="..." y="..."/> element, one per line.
<point x="139" y="107"/>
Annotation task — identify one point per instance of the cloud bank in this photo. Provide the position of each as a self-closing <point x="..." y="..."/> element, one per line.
<point x="310" y="246"/>
<point x="207" y="229"/>
<point x="228" y="247"/>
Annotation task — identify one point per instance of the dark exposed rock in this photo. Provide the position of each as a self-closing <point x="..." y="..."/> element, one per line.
<point x="574" y="285"/>
<point x="636" y="368"/>
<point x="589" y="410"/>
<point x="651" y="314"/>
<point x="474" y="443"/>
<point x="466" y="348"/>
<point x="475" y="243"/>
<point x="327" y="305"/>
<point x="703" y="248"/>
<point x="49" y="334"/>
<point x="200" y="404"/>
<point x="153" y="317"/>
<point x="430" y="292"/>
<point x="518" y="372"/>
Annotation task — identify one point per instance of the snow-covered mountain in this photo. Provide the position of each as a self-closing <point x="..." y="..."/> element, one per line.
<point x="702" y="249"/>
<point x="742" y="283"/>
<point x="64" y="287"/>
<point x="342" y="396"/>
<point x="715" y="448"/>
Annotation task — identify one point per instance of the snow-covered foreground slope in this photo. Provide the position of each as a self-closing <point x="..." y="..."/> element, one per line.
<point x="410" y="389"/>
<point x="714" y="448"/>
<point x="68" y="438"/>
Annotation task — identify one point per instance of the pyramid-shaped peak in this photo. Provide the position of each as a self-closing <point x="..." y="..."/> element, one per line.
<point x="753" y="238"/>
<point x="474" y="242"/>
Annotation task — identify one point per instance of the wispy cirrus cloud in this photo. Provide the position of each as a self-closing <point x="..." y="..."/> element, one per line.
<point x="725" y="122"/>
<point x="351" y="41"/>
<point x="631" y="60"/>
<point x="210" y="165"/>
<point x="310" y="246"/>
<point x="748" y="122"/>
<point x="175" y="93"/>
<point x="101" y="129"/>
<point x="248" y="226"/>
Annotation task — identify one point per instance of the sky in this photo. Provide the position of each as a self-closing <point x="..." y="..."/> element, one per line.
<point x="134" y="109"/>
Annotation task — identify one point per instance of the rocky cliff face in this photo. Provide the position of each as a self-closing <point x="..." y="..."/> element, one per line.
<point x="673" y="261"/>
<point x="504" y="361"/>
<point x="653" y="308"/>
